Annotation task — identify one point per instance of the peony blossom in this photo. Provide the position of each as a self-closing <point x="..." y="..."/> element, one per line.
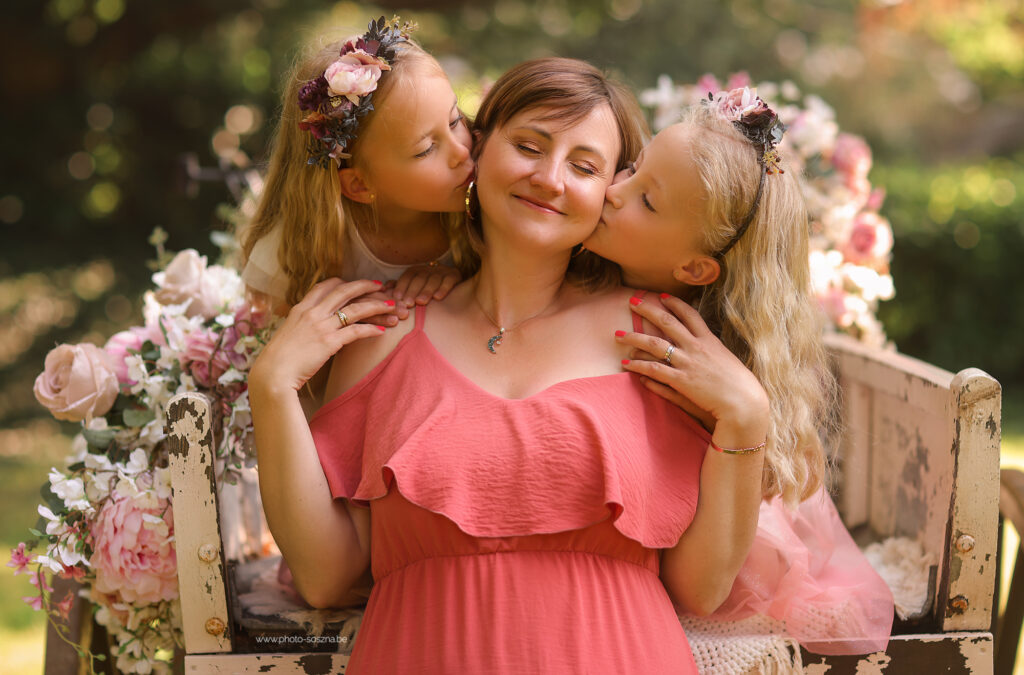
<point x="78" y="382"/>
<point x="133" y="556"/>
<point x="185" y="281"/>
<point x="355" y="74"/>
<point x="738" y="103"/>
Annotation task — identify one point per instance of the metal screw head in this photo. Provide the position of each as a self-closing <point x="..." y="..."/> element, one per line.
<point x="959" y="604"/>
<point x="965" y="543"/>
<point x="207" y="553"/>
<point x="214" y="626"/>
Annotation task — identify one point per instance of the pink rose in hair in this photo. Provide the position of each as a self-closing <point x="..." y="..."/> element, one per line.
<point x="204" y="358"/>
<point x="134" y="551"/>
<point x="355" y="74"/>
<point x="870" y="239"/>
<point x="738" y="103"/>
<point x="79" y="382"/>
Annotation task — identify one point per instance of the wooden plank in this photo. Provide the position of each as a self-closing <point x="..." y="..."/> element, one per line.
<point x="854" y="461"/>
<point x="231" y="664"/>
<point x="969" y="579"/>
<point x="960" y="653"/>
<point x="204" y="611"/>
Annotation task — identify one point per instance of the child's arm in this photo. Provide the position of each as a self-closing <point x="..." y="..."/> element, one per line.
<point x="295" y="494"/>
<point x="422" y="283"/>
<point x="703" y="374"/>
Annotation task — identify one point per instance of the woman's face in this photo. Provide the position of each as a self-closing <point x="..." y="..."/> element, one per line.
<point x="653" y="214"/>
<point x="418" y="145"/>
<point x="544" y="181"/>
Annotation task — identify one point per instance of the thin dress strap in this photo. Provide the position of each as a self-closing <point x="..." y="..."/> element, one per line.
<point x="421" y="316"/>
<point x="638" y="321"/>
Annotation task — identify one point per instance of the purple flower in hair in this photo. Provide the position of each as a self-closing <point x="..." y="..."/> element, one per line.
<point x="313" y="94"/>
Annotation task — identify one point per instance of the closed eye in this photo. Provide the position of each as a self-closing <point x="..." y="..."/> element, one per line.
<point x="455" y="122"/>
<point x="527" y="149"/>
<point x="647" y="204"/>
<point x="427" y="151"/>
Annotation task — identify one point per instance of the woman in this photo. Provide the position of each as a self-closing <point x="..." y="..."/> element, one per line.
<point x="534" y="508"/>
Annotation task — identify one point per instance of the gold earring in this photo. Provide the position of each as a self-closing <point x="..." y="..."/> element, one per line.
<point x="469" y="199"/>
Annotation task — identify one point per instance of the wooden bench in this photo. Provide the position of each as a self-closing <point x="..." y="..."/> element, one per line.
<point x="919" y="459"/>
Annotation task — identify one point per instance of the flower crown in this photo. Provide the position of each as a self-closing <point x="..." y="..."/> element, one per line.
<point x="761" y="126"/>
<point x="339" y="98"/>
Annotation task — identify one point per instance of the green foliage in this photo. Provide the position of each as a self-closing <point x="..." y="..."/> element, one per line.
<point x="956" y="264"/>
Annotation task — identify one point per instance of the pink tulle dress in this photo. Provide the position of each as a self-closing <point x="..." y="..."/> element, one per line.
<point x="513" y="536"/>
<point x="805" y="571"/>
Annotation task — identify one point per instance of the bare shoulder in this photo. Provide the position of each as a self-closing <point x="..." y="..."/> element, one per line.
<point x="610" y="309"/>
<point x="355" y="361"/>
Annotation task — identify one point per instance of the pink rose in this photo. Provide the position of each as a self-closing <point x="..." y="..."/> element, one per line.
<point x="134" y="559"/>
<point x="185" y="279"/>
<point x="203" y="359"/>
<point x="851" y="157"/>
<point x="78" y="383"/>
<point x="355" y="74"/>
<point x="118" y="347"/>
<point x="737" y="103"/>
<point x="834" y="302"/>
<point x="870" y="239"/>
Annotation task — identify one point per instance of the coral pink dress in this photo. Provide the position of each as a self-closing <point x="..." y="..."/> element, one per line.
<point x="513" y="535"/>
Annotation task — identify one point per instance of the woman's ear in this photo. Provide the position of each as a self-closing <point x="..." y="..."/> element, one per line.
<point x="699" y="271"/>
<point x="353" y="186"/>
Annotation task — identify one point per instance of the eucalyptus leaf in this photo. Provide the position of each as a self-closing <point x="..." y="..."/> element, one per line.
<point x="135" y="417"/>
<point x="98" y="440"/>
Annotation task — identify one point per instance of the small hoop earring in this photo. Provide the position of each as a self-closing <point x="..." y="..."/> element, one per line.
<point x="469" y="199"/>
<point x="579" y="251"/>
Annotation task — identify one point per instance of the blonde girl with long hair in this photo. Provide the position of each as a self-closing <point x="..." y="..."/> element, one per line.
<point x="710" y="215"/>
<point x="367" y="175"/>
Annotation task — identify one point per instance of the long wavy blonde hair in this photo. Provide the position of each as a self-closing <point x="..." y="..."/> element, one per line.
<point x="761" y="305"/>
<point x="304" y="200"/>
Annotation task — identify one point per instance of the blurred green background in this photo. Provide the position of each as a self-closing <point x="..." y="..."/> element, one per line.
<point x="105" y="99"/>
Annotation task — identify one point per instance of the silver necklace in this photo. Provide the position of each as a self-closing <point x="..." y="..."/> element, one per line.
<point x="495" y="340"/>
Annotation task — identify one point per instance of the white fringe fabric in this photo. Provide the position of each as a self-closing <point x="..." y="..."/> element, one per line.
<point x="754" y="646"/>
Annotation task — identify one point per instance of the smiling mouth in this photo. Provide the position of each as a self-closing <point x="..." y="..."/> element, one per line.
<point x="543" y="207"/>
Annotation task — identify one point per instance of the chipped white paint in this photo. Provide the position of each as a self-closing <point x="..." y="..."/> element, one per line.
<point x="276" y="664"/>
<point x="910" y="431"/>
<point x="200" y="584"/>
<point x="817" y="669"/>
<point x="873" y="664"/>
<point x="979" y="656"/>
<point x="975" y="505"/>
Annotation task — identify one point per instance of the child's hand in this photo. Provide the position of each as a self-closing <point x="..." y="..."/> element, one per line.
<point x="422" y="283"/>
<point x="700" y="375"/>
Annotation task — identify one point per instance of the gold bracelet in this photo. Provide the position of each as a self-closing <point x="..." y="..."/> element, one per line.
<point x="739" y="451"/>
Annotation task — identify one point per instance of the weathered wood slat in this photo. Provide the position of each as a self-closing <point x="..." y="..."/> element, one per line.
<point x="973" y="527"/>
<point x="232" y="664"/>
<point x="960" y="653"/>
<point x="206" y="622"/>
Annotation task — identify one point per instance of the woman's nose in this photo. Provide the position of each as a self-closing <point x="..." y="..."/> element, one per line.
<point x="547" y="175"/>
<point x="459" y="154"/>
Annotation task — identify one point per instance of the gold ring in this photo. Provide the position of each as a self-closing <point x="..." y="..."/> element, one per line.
<point x="342" y="319"/>
<point x="668" y="354"/>
<point x="432" y="263"/>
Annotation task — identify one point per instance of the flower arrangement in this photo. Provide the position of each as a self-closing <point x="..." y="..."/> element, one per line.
<point x="851" y="243"/>
<point x="107" y="521"/>
<point x="336" y="100"/>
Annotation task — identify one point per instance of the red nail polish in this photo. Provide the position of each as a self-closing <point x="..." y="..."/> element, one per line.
<point x="625" y="362"/>
<point x="620" y="333"/>
<point x="663" y="296"/>
<point x="381" y="328"/>
<point x="379" y="283"/>
<point x="389" y="303"/>
<point x="635" y="301"/>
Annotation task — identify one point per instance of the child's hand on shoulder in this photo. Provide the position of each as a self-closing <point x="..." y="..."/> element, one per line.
<point x="422" y="283"/>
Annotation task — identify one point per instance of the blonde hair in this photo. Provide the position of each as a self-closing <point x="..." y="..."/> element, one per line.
<point x="761" y="304"/>
<point x="569" y="89"/>
<point x="304" y="200"/>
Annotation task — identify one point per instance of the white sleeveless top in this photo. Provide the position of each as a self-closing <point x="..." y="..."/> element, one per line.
<point x="263" y="271"/>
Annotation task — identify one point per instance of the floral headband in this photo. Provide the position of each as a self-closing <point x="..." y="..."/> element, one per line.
<point x="762" y="127"/>
<point x="339" y="98"/>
